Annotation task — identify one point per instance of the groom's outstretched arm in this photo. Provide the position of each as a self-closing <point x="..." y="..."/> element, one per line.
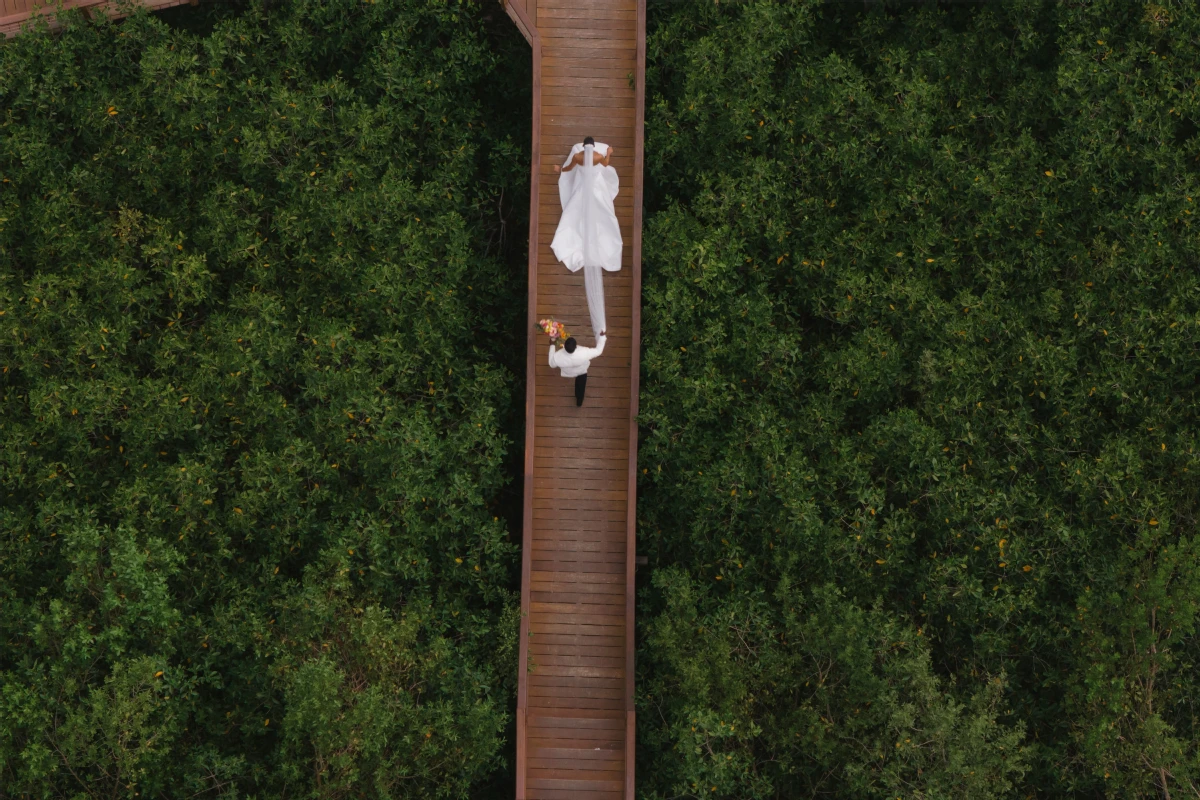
<point x="592" y="352"/>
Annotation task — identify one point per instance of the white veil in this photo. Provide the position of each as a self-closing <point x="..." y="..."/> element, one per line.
<point x="593" y="282"/>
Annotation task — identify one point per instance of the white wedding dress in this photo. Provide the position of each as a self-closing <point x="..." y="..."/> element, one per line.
<point x="588" y="235"/>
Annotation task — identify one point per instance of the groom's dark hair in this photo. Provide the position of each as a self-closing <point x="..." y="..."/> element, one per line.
<point x="588" y="140"/>
<point x="569" y="345"/>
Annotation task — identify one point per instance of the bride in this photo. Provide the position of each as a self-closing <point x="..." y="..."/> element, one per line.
<point x="588" y="234"/>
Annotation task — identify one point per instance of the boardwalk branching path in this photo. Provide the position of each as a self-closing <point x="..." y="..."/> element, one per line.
<point x="15" y="13"/>
<point x="575" y="715"/>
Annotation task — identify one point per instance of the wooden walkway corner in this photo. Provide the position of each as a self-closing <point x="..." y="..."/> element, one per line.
<point x="575" y="710"/>
<point x="15" y="13"/>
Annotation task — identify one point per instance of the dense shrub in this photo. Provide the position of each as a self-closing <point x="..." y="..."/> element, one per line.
<point x="921" y="328"/>
<point x="255" y="352"/>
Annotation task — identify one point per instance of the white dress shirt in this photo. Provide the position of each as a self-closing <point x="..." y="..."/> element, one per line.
<point x="575" y="364"/>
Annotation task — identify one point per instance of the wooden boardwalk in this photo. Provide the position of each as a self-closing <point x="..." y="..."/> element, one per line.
<point x="575" y="713"/>
<point x="14" y="13"/>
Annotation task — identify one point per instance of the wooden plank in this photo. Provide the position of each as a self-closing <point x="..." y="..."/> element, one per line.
<point x="572" y="12"/>
<point x="598" y="613"/>
<point x="563" y="531"/>
<point x="573" y="563"/>
<point x="568" y="437"/>
<point x="599" y="672"/>
<point x="576" y="630"/>
<point x="597" y="749"/>
<point x="613" y="393"/>
<point x="586" y="464"/>
<point x="589" y="98"/>
<point x="578" y="577"/>
<point x="599" y="626"/>
<point x="591" y="490"/>
<point x="561" y="758"/>
<point x="568" y="525"/>
<point x="588" y="758"/>
<point x="576" y="787"/>
<point x="581" y="660"/>
<point x="575" y="504"/>
<point x="579" y="642"/>
<point x="585" y="594"/>
<point x="549" y="452"/>
<point x="606" y="529"/>
<point x="562" y="291"/>
<point x="577" y="721"/>
<point x="591" y="6"/>
<point x="559" y="142"/>
<point x="586" y="546"/>
<point x="592" y="61"/>
<point x="548" y="494"/>
<point x="571" y="469"/>
<point x="610" y="519"/>
<point x="559" y="280"/>
<point x="594" y="28"/>
<point x="606" y="385"/>
<point x="574" y="701"/>
<point x="567" y="542"/>
<point x="557" y="648"/>
<point x="570" y="561"/>
<point x="616" y="120"/>
<point x="571" y="794"/>
<point x="564" y="433"/>
<point x="579" y="773"/>
<point x="576" y="681"/>
<point x="604" y="745"/>
<point x="557" y="591"/>
<point x="618" y="43"/>
<point x="586" y="566"/>
<point x="613" y="538"/>
<point x="588" y="424"/>
<point x="590" y="738"/>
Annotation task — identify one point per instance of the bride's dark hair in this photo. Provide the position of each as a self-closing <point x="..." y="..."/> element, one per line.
<point x="569" y="345"/>
<point x="588" y="140"/>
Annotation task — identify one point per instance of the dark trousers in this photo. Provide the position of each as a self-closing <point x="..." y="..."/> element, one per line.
<point x="580" y="385"/>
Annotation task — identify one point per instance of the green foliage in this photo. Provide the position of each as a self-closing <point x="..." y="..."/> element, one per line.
<point x="920" y="316"/>
<point x="831" y="699"/>
<point x="254" y="316"/>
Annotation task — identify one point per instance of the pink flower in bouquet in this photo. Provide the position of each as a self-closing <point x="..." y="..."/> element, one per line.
<point x="554" y="329"/>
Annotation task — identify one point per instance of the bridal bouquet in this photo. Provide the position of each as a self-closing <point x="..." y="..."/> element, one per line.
<point x="555" y="330"/>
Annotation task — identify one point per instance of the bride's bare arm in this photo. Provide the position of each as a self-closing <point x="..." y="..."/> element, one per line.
<point x="575" y="162"/>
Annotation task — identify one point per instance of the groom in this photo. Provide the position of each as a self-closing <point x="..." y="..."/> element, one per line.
<point x="573" y="362"/>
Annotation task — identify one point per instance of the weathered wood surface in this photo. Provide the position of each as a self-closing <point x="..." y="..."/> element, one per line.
<point x="575" y="713"/>
<point x="15" y="13"/>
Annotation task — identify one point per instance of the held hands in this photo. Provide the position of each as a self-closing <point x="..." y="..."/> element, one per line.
<point x="557" y="168"/>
